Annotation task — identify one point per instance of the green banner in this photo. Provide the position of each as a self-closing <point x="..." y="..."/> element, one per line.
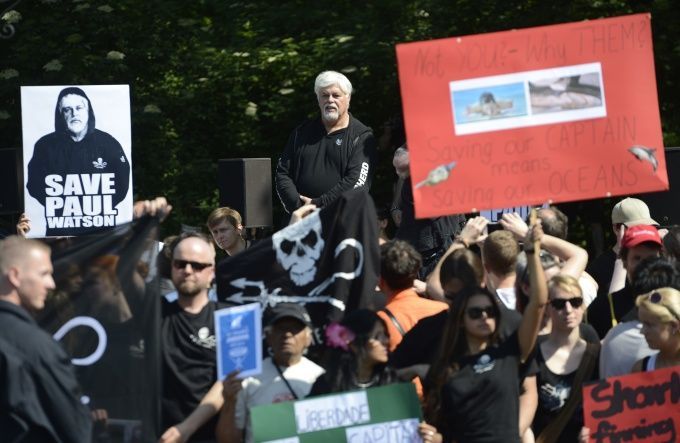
<point x="385" y="414"/>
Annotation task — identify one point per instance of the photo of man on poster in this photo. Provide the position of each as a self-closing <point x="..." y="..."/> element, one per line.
<point x="78" y="173"/>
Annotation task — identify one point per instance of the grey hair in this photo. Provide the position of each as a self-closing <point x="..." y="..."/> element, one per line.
<point x="329" y="78"/>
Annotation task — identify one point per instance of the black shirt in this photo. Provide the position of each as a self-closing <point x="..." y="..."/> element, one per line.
<point x="40" y="398"/>
<point x="322" y="165"/>
<point x="189" y="363"/>
<point x="480" y="401"/>
<point x="553" y="392"/>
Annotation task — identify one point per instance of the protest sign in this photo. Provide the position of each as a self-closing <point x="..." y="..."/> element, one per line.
<point x="643" y="406"/>
<point x="76" y="150"/>
<point x="524" y="117"/>
<point x="383" y="414"/>
<point x="495" y="215"/>
<point x="239" y="340"/>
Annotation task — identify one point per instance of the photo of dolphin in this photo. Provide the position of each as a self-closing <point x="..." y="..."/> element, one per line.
<point x="643" y="153"/>
<point x="437" y="175"/>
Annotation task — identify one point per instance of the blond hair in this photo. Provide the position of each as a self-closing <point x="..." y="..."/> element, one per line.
<point x="14" y="250"/>
<point x="565" y="283"/>
<point x="667" y="309"/>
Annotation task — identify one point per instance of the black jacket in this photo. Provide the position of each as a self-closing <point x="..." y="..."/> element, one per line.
<point x="40" y="397"/>
<point x="322" y="166"/>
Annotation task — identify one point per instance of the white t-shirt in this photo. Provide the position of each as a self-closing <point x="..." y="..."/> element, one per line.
<point x="269" y="387"/>
<point x="623" y="345"/>
<point x="508" y="297"/>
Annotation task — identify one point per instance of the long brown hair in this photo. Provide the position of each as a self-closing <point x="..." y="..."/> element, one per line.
<point x="453" y="345"/>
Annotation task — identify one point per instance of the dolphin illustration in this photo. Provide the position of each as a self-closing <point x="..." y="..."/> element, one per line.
<point x="437" y="175"/>
<point x="643" y="153"/>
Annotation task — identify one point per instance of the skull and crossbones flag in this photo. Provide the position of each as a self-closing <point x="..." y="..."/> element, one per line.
<point x="328" y="261"/>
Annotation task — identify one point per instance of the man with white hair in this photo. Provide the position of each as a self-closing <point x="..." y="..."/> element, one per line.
<point x="326" y="156"/>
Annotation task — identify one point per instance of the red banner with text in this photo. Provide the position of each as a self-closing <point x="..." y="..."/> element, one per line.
<point x="523" y="117"/>
<point x="639" y="407"/>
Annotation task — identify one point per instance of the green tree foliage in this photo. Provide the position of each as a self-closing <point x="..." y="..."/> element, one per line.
<point x="215" y="79"/>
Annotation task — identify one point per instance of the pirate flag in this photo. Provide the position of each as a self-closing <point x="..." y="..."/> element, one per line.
<point x="328" y="261"/>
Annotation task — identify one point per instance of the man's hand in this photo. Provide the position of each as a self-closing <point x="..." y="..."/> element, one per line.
<point x="231" y="387"/>
<point x="513" y="222"/>
<point x="23" y="226"/>
<point x="474" y="231"/>
<point x="172" y="435"/>
<point x="428" y="433"/>
<point x="305" y="200"/>
<point x="301" y="212"/>
<point x="158" y="206"/>
<point x="534" y="235"/>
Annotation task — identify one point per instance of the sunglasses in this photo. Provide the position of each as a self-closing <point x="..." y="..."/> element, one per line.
<point x="196" y="266"/>
<point x="561" y="303"/>
<point x="657" y="299"/>
<point x="476" y="312"/>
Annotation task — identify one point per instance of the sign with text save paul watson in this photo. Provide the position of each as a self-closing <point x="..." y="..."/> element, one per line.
<point x="77" y="150"/>
<point x="524" y="117"/>
<point x="639" y="407"/>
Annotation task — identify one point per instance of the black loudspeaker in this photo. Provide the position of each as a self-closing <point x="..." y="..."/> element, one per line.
<point x="664" y="207"/>
<point x="10" y="181"/>
<point x="245" y="185"/>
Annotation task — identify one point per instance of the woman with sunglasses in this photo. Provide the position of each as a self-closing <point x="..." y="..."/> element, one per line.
<point x="659" y="313"/>
<point x="565" y="362"/>
<point x="472" y="390"/>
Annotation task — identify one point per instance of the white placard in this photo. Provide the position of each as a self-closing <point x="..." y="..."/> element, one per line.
<point x="318" y="414"/>
<point x="77" y="152"/>
<point x="387" y="432"/>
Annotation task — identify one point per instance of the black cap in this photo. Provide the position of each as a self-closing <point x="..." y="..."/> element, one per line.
<point x="283" y="310"/>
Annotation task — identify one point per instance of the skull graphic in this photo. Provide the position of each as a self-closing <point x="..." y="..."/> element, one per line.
<point x="298" y="247"/>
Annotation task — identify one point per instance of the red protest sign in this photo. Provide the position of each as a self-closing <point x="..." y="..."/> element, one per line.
<point x="643" y="406"/>
<point x="555" y="113"/>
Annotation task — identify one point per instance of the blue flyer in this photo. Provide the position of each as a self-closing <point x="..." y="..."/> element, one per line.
<point x="239" y="340"/>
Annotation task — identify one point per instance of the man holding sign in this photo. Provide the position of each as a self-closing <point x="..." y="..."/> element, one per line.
<point x="287" y="375"/>
<point x="78" y="173"/>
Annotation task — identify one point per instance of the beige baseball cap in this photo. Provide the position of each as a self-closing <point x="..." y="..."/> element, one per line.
<point x="631" y="212"/>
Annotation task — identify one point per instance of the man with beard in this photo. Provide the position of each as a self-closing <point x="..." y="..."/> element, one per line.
<point x="326" y="156"/>
<point x="191" y="397"/>
<point x="77" y="149"/>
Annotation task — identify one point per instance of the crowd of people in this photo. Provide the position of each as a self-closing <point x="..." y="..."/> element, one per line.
<point x="498" y="331"/>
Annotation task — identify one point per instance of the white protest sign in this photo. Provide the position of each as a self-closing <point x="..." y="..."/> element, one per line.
<point x="77" y="151"/>
<point x="317" y="414"/>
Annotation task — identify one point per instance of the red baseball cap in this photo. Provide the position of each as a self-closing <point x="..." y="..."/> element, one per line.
<point x="640" y="234"/>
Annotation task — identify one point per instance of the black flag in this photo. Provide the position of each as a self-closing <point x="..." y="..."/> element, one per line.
<point x="328" y="261"/>
<point x="105" y="312"/>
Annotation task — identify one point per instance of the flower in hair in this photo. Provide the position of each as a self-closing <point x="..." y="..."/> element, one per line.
<point x="338" y="336"/>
